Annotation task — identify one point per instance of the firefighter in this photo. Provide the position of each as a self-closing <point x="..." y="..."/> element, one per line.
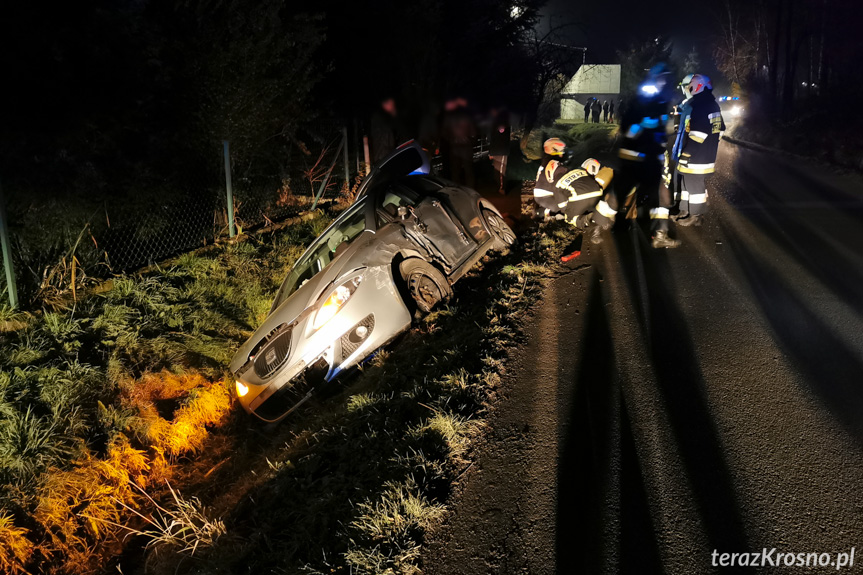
<point x="642" y="154"/>
<point x="550" y="200"/>
<point x="585" y="187"/>
<point x="698" y="147"/>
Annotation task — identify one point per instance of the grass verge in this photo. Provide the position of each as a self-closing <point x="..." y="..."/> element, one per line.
<point x="117" y="394"/>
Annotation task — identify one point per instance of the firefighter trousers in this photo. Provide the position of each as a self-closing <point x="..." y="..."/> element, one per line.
<point x="693" y="194"/>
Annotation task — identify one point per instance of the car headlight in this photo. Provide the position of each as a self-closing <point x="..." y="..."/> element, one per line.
<point x="242" y="389"/>
<point x="335" y="299"/>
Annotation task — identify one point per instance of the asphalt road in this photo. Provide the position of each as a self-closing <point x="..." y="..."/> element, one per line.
<point x="670" y="403"/>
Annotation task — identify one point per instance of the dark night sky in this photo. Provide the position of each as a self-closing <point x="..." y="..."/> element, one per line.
<point x="611" y="25"/>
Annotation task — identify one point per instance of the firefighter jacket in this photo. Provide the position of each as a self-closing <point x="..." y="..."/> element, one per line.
<point x="701" y="139"/>
<point x="643" y="131"/>
<point x="546" y="194"/>
<point x="583" y="190"/>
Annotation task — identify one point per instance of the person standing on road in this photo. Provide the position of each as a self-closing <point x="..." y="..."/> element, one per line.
<point x="698" y="147"/>
<point x="605" y="111"/>
<point x="595" y="109"/>
<point x="611" y="112"/>
<point x="585" y="185"/>
<point x="550" y="200"/>
<point x="642" y="155"/>
<point x="587" y="110"/>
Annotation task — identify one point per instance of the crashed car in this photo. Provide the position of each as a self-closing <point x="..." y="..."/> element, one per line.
<point x="390" y="257"/>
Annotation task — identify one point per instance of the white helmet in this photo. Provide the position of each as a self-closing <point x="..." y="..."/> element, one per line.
<point x="698" y="84"/>
<point x="592" y="166"/>
<point x="684" y="84"/>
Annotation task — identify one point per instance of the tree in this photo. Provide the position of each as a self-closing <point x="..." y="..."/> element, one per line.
<point x="692" y="63"/>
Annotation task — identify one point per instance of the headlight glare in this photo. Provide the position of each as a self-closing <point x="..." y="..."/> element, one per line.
<point x="242" y="389"/>
<point x="335" y="300"/>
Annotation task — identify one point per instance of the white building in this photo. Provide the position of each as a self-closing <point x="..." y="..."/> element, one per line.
<point x="600" y="81"/>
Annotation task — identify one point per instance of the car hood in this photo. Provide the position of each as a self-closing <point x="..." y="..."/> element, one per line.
<point x="299" y="306"/>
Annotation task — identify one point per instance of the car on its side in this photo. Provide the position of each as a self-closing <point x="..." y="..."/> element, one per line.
<point x="391" y="256"/>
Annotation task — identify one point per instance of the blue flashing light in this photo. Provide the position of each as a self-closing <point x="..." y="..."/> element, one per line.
<point x="650" y="89"/>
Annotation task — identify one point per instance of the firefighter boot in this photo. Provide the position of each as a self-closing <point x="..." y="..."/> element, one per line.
<point x="691" y="221"/>
<point x="661" y="240"/>
<point x="596" y="235"/>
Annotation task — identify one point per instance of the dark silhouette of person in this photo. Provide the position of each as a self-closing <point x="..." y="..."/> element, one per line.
<point x="458" y="137"/>
<point x="595" y="109"/>
<point x="587" y="110"/>
<point x="611" y="111"/>
<point x="385" y="129"/>
<point x="498" y="144"/>
<point x="605" y="111"/>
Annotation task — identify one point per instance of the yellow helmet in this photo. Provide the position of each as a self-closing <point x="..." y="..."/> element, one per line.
<point x="554" y="147"/>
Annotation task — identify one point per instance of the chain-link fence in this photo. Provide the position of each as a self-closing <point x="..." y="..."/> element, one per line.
<point x="75" y="237"/>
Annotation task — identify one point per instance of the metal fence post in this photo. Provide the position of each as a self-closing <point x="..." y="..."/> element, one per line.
<point x="11" y="286"/>
<point x="229" y="189"/>
<point x="347" y="167"/>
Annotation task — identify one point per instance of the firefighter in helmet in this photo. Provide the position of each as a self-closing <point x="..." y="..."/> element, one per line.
<point x="697" y="150"/>
<point x="550" y="200"/>
<point x="585" y="187"/>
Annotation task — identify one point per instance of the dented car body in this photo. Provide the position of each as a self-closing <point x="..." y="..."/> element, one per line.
<point x="393" y="254"/>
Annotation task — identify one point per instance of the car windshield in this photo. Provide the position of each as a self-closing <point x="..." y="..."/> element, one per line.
<point x="324" y="250"/>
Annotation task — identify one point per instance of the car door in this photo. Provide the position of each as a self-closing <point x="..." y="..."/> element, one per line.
<point x="427" y="223"/>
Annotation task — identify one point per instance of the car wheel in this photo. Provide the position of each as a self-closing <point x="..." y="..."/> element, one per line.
<point x="498" y="227"/>
<point x="426" y="285"/>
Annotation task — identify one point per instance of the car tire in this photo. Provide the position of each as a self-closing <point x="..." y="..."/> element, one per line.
<point x="499" y="228"/>
<point x="425" y="285"/>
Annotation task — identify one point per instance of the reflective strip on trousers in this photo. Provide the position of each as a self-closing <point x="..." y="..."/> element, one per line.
<point x="658" y="213"/>
<point x="696" y="168"/>
<point x="605" y="210"/>
<point x="542" y="193"/>
<point x="698" y="198"/>
<point x="684" y="195"/>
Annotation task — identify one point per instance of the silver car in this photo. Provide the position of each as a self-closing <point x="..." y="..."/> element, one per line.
<point x="390" y="257"/>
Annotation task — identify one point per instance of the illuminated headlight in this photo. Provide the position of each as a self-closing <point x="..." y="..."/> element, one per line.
<point x="242" y="389"/>
<point x="735" y="111"/>
<point x="335" y="299"/>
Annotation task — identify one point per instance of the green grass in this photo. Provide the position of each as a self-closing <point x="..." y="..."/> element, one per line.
<point x="80" y="385"/>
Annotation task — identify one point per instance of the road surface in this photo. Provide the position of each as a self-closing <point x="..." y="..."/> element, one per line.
<point x="672" y="403"/>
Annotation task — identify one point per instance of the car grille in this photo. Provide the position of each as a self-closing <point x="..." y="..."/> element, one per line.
<point x="273" y="352"/>
<point x="350" y="343"/>
<point x="293" y="392"/>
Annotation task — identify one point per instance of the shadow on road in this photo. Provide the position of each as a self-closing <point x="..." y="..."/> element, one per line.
<point x="830" y="368"/>
<point x="680" y="386"/>
<point x="603" y="519"/>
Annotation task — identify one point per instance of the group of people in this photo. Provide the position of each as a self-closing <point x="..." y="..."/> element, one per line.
<point x="452" y="132"/>
<point x="650" y="176"/>
<point x="593" y="109"/>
